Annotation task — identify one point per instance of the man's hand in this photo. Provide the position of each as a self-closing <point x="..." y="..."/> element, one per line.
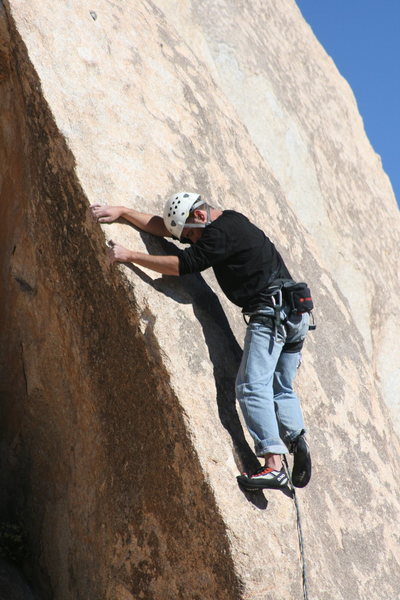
<point x="118" y="253"/>
<point x="150" y="223"/>
<point x="167" y="265"/>
<point x="106" y="214"/>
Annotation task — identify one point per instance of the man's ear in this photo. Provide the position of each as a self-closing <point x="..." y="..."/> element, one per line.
<point x="200" y="215"/>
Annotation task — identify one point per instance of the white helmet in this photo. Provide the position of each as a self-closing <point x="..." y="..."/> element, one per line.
<point x="177" y="209"/>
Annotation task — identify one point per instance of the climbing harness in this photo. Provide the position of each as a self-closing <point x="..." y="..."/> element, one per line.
<point x="286" y="294"/>
<point x="277" y="306"/>
<point x="299" y="530"/>
<point x="297" y="296"/>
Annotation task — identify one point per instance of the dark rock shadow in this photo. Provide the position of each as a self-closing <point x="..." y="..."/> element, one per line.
<point x="224" y="351"/>
<point x="12" y="584"/>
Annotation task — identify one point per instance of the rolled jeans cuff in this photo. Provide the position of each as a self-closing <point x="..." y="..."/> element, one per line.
<point x="270" y="447"/>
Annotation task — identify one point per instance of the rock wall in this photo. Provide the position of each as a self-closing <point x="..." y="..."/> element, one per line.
<point x="120" y="438"/>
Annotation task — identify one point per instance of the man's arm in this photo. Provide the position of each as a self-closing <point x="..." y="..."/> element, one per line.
<point x="167" y="265"/>
<point x="150" y="223"/>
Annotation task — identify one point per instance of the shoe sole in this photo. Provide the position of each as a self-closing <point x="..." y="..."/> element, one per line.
<point x="252" y="486"/>
<point x="302" y="466"/>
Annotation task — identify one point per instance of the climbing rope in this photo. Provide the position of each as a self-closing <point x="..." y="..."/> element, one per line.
<point x="299" y="532"/>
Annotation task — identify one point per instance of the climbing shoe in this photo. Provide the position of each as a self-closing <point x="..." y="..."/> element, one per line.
<point x="263" y="478"/>
<point x="301" y="473"/>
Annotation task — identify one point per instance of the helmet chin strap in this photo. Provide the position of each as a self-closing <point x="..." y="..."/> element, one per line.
<point x="199" y="225"/>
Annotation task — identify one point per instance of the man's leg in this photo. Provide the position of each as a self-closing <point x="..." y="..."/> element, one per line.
<point x="254" y="388"/>
<point x="287" y="404"/>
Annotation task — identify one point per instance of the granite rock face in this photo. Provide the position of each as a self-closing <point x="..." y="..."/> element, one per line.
<point x="120" y="436"/>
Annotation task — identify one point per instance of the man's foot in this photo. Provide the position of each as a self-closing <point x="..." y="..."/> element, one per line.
<point x="301" y="473"/>
<point x="263" y="478"/>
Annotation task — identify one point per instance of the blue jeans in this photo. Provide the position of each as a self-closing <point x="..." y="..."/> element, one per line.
<point x="264" y="384"/>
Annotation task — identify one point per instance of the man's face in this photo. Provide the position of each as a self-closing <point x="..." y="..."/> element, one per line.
<point x="194" y="233"/>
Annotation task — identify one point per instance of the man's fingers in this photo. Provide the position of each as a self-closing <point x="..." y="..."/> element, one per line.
<point x="110" y="253"/>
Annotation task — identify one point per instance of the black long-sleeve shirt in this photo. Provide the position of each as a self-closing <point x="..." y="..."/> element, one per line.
<point x="243" y="258"/>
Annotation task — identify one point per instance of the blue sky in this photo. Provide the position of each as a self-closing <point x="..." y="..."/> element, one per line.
<point x="363" y="39"/>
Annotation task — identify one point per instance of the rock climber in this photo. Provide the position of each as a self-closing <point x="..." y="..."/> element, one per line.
<point x="246" y="264"/>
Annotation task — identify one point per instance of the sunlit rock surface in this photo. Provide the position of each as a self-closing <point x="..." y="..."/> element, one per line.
<point x="120" y="440"/>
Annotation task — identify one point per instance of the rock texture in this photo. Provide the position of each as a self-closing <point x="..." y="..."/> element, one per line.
<point x="120" y="438"/>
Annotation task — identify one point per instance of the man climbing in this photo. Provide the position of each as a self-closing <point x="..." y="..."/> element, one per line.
<point x="247" y="267"/>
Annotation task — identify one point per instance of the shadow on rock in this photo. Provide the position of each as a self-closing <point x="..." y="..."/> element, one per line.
<point x="12" y="584"/>
<point x="224" y="351"/>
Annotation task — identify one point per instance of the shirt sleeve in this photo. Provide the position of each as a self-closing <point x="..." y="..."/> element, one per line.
<point x="210" y="250"/>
